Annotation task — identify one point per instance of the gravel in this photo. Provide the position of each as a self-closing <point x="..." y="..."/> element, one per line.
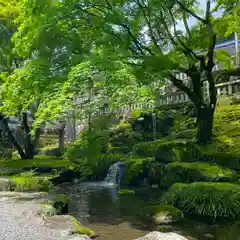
<point x="13" y="226"/>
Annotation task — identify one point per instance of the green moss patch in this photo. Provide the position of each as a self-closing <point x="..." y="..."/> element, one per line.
<point x="80" y="229"/>
<point x="126" y="192"/>
<point x="195" y="172"/>
<point x="211" y="200"/>
<point x="38" y="161"/>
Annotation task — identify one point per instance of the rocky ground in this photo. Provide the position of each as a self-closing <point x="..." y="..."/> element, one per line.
<point x="24" y="217"/>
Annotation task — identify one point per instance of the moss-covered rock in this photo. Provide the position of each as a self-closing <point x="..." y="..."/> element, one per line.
<point x="165" y="150"/>
<point x="206" y="199"/>
<point x="68" y="223"/>
<point x="185" y="172"/>
<point x="60" y="203"/>
<point x="136" y="170"/>
<point x="163" y="214"/>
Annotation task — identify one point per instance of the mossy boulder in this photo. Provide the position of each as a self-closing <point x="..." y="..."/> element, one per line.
<point x="186" y="172"/>
<point x="167" y="150"/>
<point x="206" y="199"/>
<point x="136" y="170"/>
<point x="163" y="214"/>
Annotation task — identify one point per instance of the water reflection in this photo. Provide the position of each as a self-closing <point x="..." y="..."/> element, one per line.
<point x="98" y="206"/>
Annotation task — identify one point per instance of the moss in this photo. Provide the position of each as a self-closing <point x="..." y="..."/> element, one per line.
<point x="136" y="170"/>
<point x="167" y="150"/>
<point x="80" y="229"/>
<point x="126" y="192"/>
<point x="211" y="200"/>
<point x="38" y="161"/>
<point x="194" y="172"/>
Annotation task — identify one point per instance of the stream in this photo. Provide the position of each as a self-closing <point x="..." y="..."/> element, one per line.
<point x="97" y="206"/>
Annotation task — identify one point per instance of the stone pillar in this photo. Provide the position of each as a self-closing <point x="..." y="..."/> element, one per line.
<point x="218" y="91"/>
<point x="224" y="91"/>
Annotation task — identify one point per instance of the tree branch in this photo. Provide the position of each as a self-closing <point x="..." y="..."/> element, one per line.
<point x="191" y="13"/>
<point x="186" y="26"/>
<point x="136" y="42"/>
<point x="180" y="85"/>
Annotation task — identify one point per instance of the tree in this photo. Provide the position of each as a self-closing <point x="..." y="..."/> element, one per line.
<point x="145" y="34"/>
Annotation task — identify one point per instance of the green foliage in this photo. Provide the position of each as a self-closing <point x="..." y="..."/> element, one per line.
<point x="91" y="145"/>
<point x="210" y="200"/>
<point x="30" y="181"/>
<point x="195" y="172"/>
<point x="126" y="192"/>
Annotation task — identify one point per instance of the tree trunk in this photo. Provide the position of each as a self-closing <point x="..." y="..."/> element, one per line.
<point x="12" y="138"/>
<point x="61" y="136"/>
<point x="204" y="124"/>
<point x="29" y="146"/>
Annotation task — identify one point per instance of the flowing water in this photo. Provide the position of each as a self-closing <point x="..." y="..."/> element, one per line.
<point x="98" y="206"/>
<point x="115" y="173"/>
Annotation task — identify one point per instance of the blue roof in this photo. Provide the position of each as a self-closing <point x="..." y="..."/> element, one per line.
<point x="220" y="45"/>
<point x="226" y="43"/>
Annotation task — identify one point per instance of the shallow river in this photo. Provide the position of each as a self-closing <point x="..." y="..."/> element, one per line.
<point x="96" y="205"/>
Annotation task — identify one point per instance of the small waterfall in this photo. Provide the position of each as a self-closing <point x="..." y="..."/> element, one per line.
<point x="154" y="125"/>
<point x="115" y="173"/>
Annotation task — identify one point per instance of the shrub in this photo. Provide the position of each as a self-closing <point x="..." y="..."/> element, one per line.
<point x="212" y="200"/>
<point x="185" y="172"/>
<point x="90" y="146"/>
